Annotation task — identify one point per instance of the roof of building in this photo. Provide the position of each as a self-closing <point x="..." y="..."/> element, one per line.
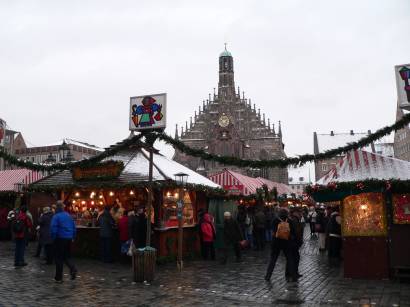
<point x="136" y="162"/>
<point x="228" y="177"/>
<point x="74" y="142"/>
<point x="9" y="178"/>
<point x="360" y="165"/>
<point x="333" y="140"/>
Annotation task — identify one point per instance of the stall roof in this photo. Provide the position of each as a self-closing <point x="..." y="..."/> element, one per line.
<point x="136" y="167"/>
<point x="360" y="165"/>
<point x="250" y="184"/>
<point x="9" y="178"/>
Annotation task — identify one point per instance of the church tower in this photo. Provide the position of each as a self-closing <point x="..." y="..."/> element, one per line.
<point x="230" y="125"/>
<point x="226" y="84"/>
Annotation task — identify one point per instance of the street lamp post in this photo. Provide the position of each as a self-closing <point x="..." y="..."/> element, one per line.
<point x="64" y="151"/>
<point x="181" y="179"/>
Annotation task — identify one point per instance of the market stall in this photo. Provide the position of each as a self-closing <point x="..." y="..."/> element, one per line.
<point x="375" y="202"/>
<point x="122" y="182"/>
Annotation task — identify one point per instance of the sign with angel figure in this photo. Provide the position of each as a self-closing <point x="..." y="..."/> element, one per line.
<point x="148" y="112"/>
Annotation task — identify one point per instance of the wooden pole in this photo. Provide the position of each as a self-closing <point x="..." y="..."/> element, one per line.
<point x="151" y="163"/>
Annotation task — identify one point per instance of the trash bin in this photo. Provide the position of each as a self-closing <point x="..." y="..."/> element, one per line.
<point x="143" y="263"/>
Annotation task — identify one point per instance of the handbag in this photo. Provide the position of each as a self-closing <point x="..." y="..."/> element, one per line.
<point x="125" y="247"/>
<point x="132" y="249"/>
<point x="244" y="244"/>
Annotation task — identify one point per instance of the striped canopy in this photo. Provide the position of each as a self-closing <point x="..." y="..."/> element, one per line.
<point x="10" y="178"/>
<point x="236" y="183"/>
<point x="360" y="165"/>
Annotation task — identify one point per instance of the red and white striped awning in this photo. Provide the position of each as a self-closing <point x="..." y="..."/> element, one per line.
<point x="237" y="183"/>
<point x="10" y="178"/>
<point x="360" y="165"/>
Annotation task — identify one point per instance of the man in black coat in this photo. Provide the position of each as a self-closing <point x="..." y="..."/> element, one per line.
<point x="138" y="229"/>
<point x="279" y="244"/>
<point x="295" y="241"/>
<point x="232" y="237"/>
<point x="107" y="224"/>
<point x="45" y="239"/>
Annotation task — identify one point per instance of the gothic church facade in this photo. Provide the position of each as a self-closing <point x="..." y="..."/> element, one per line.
<point x="228" y="125"/>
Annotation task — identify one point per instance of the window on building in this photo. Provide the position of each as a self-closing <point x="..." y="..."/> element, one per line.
<point x="324" y="167"/>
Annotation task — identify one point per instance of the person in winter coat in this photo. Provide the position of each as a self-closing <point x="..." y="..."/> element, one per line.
<point x="259" y="229"/>
<point x="21" y="226"/>
<point x="123" y="227"/>
<point x="63" y="232"/>
<point x="138" y="229"/>
<point x="208" y="236"/>
<point x="282" y="244"/>
<point x="232" y="236"/>
<point x="312" y="220"/>
<point x="45" y="235"/>
<point x="320" y="227"/>
<point x="335" y="237"/>
<point x="268" y="227"/>
<point x="295" y="242"/>
<point x="107" y="224"/>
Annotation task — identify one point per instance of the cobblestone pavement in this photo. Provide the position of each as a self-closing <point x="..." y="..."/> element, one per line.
<point x="201" y="283"/>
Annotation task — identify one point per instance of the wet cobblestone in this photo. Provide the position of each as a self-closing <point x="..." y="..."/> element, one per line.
<point x="200" y="284"/>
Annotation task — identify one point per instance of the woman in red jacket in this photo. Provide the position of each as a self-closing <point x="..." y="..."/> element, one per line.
<point x="208" y="236"/>
<point x="21" y="229"/>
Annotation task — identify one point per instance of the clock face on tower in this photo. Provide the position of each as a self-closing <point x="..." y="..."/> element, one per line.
<point x="223" y="121"/>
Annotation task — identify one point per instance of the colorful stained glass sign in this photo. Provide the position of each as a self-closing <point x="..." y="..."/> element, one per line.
<point x="148" y="112"/>
<point x="401" y="208"/>
<point x="364" y="215"/>
<point x="403" y="86"/>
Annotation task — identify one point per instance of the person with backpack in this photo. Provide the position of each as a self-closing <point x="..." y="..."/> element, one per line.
<point x="282" y="232"/>
<point x="208" y="235"/>
<point x="21" y="226"/>
<point x="63" y="231"/>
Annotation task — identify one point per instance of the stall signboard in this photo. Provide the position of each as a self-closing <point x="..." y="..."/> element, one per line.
<point x="233" y="189"/>
<point x="148" y="112"/>
<point x="402" y="82"/>
<point x="364" y="215"/>
<point x="401" y="208"/>
<point x="109" y="170"/>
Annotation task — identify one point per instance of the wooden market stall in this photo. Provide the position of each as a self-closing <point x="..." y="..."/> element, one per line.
<point x="122" y="180"/>
<point x="374" y="191"/>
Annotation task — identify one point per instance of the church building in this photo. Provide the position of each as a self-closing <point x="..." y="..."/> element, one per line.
<point x="228" y="124"/>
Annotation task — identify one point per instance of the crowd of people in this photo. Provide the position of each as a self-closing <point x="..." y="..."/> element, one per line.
<point x="251" y="228"/>
<point x="56" y="230"/>
<point x="282" y="228"/>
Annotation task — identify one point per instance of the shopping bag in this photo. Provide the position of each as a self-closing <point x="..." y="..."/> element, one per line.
<point x="132" y="250"/>
<point x="244" y="244"/>
<point x="125" y="247"/>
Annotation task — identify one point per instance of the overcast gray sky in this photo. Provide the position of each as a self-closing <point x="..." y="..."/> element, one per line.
<point x="68" y="68"/>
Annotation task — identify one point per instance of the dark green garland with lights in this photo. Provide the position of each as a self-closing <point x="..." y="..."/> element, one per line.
<point x="295" y="161"/>
<point x="199" y="153"/>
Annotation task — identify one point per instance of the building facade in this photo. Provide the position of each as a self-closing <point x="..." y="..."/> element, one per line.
<point x="229" y="125"/>
<point x="74" y="151"/>
<point x="299" y="178"/>
<point x="11" y="141"/>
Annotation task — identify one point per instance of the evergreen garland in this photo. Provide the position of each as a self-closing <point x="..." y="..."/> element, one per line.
<point x="295" y="161"/>
<point x="199" y="153"/>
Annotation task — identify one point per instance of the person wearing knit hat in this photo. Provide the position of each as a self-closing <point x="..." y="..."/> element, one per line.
<point x="232" y="236"/>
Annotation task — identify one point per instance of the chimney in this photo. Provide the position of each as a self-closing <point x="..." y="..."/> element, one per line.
<point x="332" y="133"/>
<point x="351" y="132"/>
